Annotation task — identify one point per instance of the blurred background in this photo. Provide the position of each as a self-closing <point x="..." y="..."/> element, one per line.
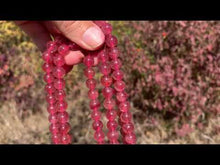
<point x="172" y="72"/>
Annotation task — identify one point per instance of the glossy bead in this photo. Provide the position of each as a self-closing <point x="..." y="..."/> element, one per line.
<point x="47" y="57"/>
<point x="109" y="103"/>
<point x="106" y="80"/>
<point x="117" y="75"/>
<point x="93" y="94"/>
<point x="61" y="106"/>
<point x="58" y="60"/>
<point x="112" y="135"/>
<point x="95" y="115"/>
<point x="48" y="78"/>
<point x="111" y="41"/>
<point x="89" y="73"/>
<point x="119" y="86"/>
<point x="88" y="61"/>
<point x="59" y="84"/>
<point x="124" y="106"/>
<point x="97" y="125"/>
<point x="65" y="139"/>
<point x="50" y="99"/>
<point x="53" y="118"/>
<point x="128" y="127"/>
<point x="113" y="53"/>
<point x="56" y="138"/>
<point x="107" y="92"/>
<point x="125" y="117"/>
<point x="91" y="83"/>
<point x="47" y="67"/>
<point x="106" y="28"/>
<point x="63" y="49"/>
<point x="112" y="125"/>
<point x="63" y="117"/>
<point x="105" y="68"/>
<point x="49" y="88"/>
<point x="60" y="95"/>
<point x="102" y="56"/>
<point x="54" y="128"/>
<point x="52" y="109"/>
<point x="94" y="104"/>
<point x="59" y="72"/>
<point x="116" y="64"/>
<point x="130" y="138"/>
<point x="64" y="128"/>
<point x="121" y="96"/>
<point x="51" y="47"/>
<point x="99" y="135"/>
<point x="73" y="46"/>
<point x="111" y="114"/>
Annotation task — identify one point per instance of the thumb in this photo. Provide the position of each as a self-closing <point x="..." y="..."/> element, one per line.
<point x="84" y="33"/>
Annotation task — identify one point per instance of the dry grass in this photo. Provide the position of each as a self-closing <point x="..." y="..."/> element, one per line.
<point x="33" y="129"/>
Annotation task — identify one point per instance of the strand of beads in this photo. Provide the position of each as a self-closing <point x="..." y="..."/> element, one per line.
<point x="107" y="91"/>
<point x="94" y="102"/>
<point x="53" y="66"/>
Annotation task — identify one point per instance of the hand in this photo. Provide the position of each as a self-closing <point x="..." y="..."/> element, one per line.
<point x="84" y="33"/>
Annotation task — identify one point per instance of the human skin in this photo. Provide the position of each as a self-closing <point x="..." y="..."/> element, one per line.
<point x="84" y="33"/>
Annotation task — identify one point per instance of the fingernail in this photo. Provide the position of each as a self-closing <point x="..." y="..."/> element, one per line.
<point x="93" y="37"/>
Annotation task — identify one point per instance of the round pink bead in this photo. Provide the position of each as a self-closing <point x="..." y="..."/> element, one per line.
<point x="88" y="61"/>
<point x="73" y="46"/>
<point x="63" y="49"/>
<point x="105" y="68"/>
<point x="107" y="92"/>
<point x="130" y="138"/>
<point x="106" y="80"/>
<point x="63" y="117"/>
<point x="124" y="106"/>
<point x="52" y="109"/>
<point x="50" y="99"/>
<point x="112" y="135"/>
<point x="107" y="28"/>
<point x="112" y="125"/>
<point x="117" y="75"/>
<point x="59" y="84"/>
<point x="109" y="103"/>
<point x="48" y="78"/>
<point x="59" y="72"/>
<point x="47" y="57"/>
<point x="125" y="117"/>
<point x="49" y="88"/>
<point x="113" y="53"/>
<point x="121" y="96"/>
<point x="54" y="128"/>
<point x="119" y="86"/>
<point x="96" y="115"/>
<point x="47" y="67"/>
<point x="102" y="56"/>
<point x="97" y="125"/>
<point x="60" y="95"/>
<point x="111" y="41"/>
<point x="93" y="94"/>
<point x="53" y="118"/>
<point x="61" y="106"/>
<point x="89" y="73"/>
<point x="91" y="83"/>
<point x="66" y="139"/>
<point x="94" y="104"/>
<point x="116" y="64"/>
<point x="111" y="114"/>
<point x="99" y="135"/>
<point x="51" y="46"/>
<point x="58" y="60"/>
<point x="64" y="128"/>
<point x="128" y="128"/>
<point x="56" y="138"/>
